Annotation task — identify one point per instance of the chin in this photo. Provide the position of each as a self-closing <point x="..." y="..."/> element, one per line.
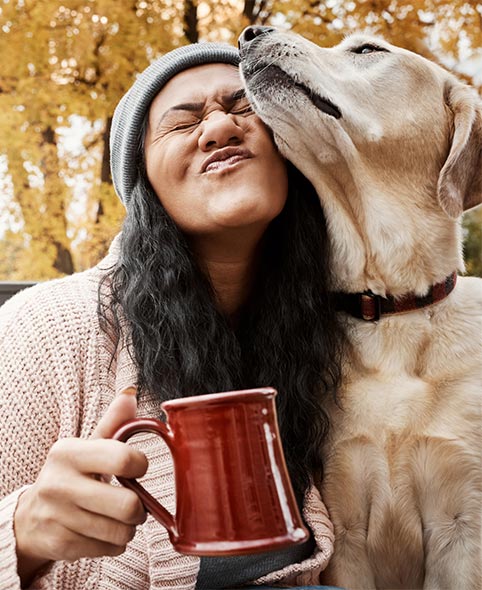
<point x="249" y="216"/>
<point x="252" y="206"/>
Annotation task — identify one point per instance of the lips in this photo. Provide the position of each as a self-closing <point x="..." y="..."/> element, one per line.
<point x="225" y="157"/>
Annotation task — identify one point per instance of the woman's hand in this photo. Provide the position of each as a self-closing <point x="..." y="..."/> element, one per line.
<point x="70" y="512"/>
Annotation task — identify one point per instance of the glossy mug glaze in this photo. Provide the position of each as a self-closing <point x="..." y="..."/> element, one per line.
<point x="233" y="491"/>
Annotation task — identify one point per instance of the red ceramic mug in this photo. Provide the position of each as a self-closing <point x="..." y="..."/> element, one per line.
<point x="233" y="491"/>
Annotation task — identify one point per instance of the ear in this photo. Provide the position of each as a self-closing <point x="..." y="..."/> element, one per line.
<point x="460" y="181"/>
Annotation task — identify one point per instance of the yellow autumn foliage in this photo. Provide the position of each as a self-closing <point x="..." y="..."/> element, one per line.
<point x="66" y="63"/>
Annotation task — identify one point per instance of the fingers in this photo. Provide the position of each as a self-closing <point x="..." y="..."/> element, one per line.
<point x="67" y="513"/>
<point x="70" y="460"/>
<point x="99" y="528"/>
<point x="59" y="498"/>
<point x="49" y="530"/>
<point x="98" y="457"/>
<point x="122" y="408"/>
<point x="74" y="517"/>
<point x="114" y="502"/>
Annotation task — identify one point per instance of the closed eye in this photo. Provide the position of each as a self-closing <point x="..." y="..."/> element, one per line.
<point x="184" y="126"/>
<point x="241" y="107"/>
<point x="243" y="110"/>
<point x="368" y="48"/>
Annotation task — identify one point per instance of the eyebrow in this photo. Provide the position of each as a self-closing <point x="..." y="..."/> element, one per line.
<point x="195" y="107"/>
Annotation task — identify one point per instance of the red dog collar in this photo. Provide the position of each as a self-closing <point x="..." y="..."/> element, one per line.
<point x="370" y="307"/>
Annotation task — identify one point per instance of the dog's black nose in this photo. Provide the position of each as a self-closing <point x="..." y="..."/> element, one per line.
<point x="251" y="33"/>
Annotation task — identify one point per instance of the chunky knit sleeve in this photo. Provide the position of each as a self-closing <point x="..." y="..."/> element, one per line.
<point x="307" y="573"/>
<point x="40" y="385"/>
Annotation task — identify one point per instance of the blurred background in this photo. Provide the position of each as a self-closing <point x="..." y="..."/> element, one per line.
<point x="65" y="64"/>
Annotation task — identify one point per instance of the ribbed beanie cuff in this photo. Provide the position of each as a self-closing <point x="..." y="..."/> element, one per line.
<point x="134" y="105"/>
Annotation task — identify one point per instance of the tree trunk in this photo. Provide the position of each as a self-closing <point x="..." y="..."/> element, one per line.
<point x="105" y="167"/>
<point x="54" y="200"/>
<point x="190" y="21"/>
<point x="105" y="175"/>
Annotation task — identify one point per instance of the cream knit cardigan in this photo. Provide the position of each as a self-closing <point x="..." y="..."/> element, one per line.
<point x="56" y="381"/>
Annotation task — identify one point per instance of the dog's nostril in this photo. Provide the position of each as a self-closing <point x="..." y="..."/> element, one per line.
<point x="251" y="33"/>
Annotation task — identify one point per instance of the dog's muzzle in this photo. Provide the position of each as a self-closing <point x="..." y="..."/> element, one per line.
<point x="276" y="75"/>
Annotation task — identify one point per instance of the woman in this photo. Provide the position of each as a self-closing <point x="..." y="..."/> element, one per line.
<point x="218" y="281"/>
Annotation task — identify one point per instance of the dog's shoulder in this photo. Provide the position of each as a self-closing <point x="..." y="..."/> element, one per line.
<point x="470" y="288"/>
<point x="466" y="304"/>
<point x="456" y="343"/>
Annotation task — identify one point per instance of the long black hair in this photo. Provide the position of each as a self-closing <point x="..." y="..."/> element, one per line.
<point x="288" y="335"/>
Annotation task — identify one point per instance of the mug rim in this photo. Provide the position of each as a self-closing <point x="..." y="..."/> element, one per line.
<point x="220" y="398"/>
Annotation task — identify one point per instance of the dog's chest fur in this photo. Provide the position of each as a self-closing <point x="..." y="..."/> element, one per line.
<point x="402" y="465"/>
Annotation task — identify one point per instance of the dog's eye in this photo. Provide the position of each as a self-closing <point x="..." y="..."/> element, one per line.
<point x="367" y="48"/>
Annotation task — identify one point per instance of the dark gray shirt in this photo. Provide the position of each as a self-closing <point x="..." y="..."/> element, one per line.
<point x="232" y="572"/>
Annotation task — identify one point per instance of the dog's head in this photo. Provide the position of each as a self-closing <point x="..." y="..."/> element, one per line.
<point x="367" y="100"/>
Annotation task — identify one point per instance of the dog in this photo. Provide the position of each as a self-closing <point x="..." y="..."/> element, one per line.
<point x="393" y="145"/>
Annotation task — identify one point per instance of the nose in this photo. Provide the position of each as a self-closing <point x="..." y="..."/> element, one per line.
<point x="251" y="33"/>
<point x="220" y="130"/>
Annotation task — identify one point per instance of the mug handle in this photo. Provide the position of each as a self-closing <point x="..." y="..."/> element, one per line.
<point x="155" y="426"/>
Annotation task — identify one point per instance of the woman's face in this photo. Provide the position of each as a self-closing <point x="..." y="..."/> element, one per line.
<point x="209" y="158"/>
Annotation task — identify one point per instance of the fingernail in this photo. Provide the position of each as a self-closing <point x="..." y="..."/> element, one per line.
<point x="129" y="391"/>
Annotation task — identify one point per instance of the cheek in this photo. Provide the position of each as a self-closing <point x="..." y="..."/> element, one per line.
<point x="276" y="164"/>
<point x="277" y="175"/>
<point x="165" y="168"/>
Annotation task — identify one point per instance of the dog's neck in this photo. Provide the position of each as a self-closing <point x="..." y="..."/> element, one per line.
<point x="390" y="239"/>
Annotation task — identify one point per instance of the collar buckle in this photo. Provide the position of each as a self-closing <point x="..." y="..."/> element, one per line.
<point x="371" y="307"/>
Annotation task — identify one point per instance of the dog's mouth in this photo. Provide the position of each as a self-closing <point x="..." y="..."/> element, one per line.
<point x="320" y="102"/>
<point x="278" y="76"/>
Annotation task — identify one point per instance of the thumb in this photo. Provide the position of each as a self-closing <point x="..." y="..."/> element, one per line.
<point x="121" y="409"/>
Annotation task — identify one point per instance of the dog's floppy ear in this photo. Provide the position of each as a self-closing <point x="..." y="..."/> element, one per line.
<point x="460" y="181"/>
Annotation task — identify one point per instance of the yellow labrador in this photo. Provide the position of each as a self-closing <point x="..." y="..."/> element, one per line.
<point x="393" y="145"/>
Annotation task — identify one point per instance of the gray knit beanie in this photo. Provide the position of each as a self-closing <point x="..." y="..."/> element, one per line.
<point x="134" y="105"/>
